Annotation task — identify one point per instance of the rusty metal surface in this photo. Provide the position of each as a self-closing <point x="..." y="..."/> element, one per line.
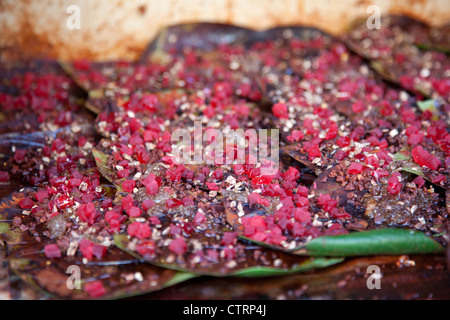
<point x="116" y="29"/>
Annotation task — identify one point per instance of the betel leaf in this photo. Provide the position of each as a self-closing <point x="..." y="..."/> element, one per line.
<point x="101" y="159"/>
<point x="96" y="101"/>
<point x="38" y="139"/>
<point x="283" y="64"/>
<point x="67" y="67"/>
<point x="203" y="253"/>
<point x="245" y="268"/>
<point x="324" y="184"/>
<point x="29" y="118"/>
<point x="16" y="122"/>
<point x="203" y="49"/>
<point x="397" y="26"/>
<point x="444" y="48"/>
<point x="304" y="33"/>
<point x="203" y="36"/>
<point x="94" y="75"/>
<point x="415" y="170"/>
<point x="120" y="274"/>
<point x="427" y="105"/>
<point x="387" y="72"/>
<point x="402" y="155"/>
<point x="383" y="71"/>
<point x="405" y="36"/>
<point x="293" y="150"/>
<point x="119" y="279"/>
<point x="206" y="248"/>
<point x="310" y="264"/>
<point x="430" y="106"/>
<point x="408" y="166"/>
<point x="374" y="242"/>
<point x="366" y="243"/>
<point x="29" y="141"/>
<point x="438" y="40"/>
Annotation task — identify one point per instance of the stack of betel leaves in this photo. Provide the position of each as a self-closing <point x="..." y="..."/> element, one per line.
<point x="362" y="125"/>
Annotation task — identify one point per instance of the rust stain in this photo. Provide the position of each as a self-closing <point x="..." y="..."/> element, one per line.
<point x="142" y="9"/>
<point x="131" y="32"/>
<point x="229" y="8"/>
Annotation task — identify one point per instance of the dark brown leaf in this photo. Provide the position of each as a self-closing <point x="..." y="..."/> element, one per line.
<point x="120" y="274"/>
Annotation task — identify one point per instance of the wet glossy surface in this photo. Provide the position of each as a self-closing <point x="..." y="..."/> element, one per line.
<point x="428" y="279"/>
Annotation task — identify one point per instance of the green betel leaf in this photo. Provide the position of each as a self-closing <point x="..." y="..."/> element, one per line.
<point x="427" y="105"/>
<point x="417" y="172"/>
<point x="248" y="267"/>
<point x="310" y="264"/>
<point x="375" y="242"/>
<point x="366" y="243"/>
<point x="101" y="159"/>
<point x="402" y="155"/>
<point x="409" y="167"/>
<point x="363" y="242"/>
<point x="431" y="106"/>
<point x="434" y="47"/>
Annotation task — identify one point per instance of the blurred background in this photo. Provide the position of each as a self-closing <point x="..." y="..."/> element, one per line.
<point x="119" y="29"/>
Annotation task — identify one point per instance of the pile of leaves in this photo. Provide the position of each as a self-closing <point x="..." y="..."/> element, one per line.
<point x="363" y="170"/>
